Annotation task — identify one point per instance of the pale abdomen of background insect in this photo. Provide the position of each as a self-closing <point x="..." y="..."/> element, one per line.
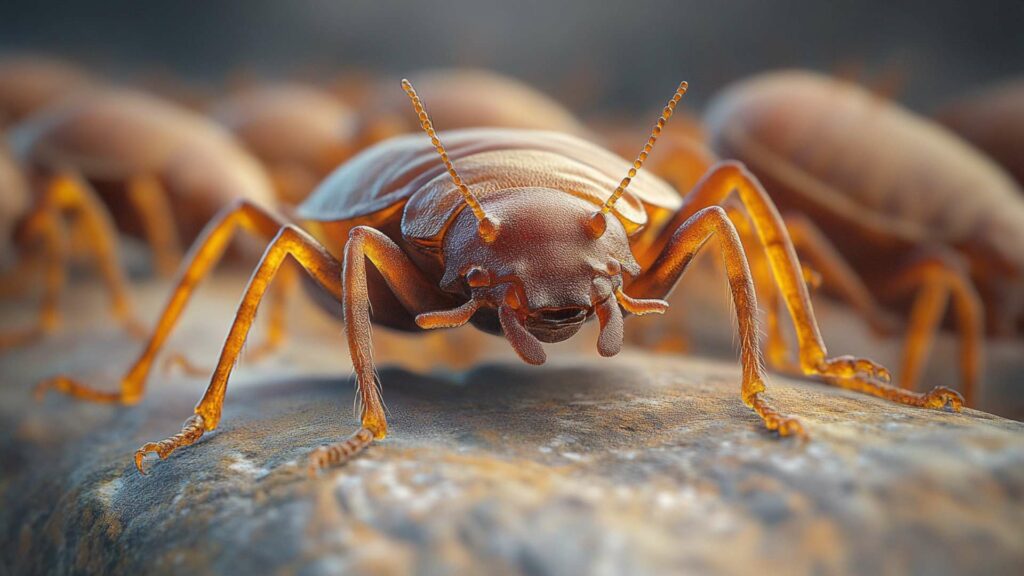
<point x="471" y="98"/>
<point x="879" y="180"/>
<point x="993" y="120"/>
<point x="28" y="83"/>
<point x="299" y="132"/>
<point x="111" y="136"/>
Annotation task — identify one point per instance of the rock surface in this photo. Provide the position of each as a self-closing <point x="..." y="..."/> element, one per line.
<point x="643" y="464"/>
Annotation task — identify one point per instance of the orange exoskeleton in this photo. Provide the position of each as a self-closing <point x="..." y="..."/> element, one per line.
<point x="523" y="233"/>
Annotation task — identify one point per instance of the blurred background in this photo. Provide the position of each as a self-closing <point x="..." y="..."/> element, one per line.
<point x="591" y="55"/>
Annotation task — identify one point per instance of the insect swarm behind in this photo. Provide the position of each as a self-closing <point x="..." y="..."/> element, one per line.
<point x="28" y="83"/>
<point x="523" y="233"/>
<point x="469" y="98"/>
<point x="298" y="132"/>
<point x="120" y="159"/>
<point x="921" y="217"/>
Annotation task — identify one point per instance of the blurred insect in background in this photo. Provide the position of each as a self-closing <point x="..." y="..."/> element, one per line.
<point x="993" y="120"/>
<point x="30" y="82"/>
<point x="914" y="217"/>
<point x="522" y="233"/>
<point x="107" y="159"/>
<point x="470" y="98"/>
<point x="300" y="133"/>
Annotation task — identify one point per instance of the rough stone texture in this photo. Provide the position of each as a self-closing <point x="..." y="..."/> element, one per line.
<point x="641" y="464"/>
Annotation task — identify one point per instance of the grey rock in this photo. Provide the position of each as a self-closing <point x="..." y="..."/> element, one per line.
<point x="643" y="464"/>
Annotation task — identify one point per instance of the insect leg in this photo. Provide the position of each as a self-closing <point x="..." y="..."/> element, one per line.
<point x="205" y="253"/>
<point x="664" y="273"/>
<point x="276" y="333"/>
<point x="47" y="226"/>
<point x="844" y="371"/>
<point x="69" y="193"/>
<point x="318" y="263"/>
<point x="150" y="200"/>
<point x="829" y="269"/>
<point x="416" y="294"/>
<point x="936" y="281"/>
<point x="65" y="193"/>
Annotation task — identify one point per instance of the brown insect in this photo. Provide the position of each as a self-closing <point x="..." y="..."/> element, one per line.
<point x="917" y="214"/>
<point x="523" y="233"/>
<point x="28" y="83"/>
<point x="299" y="132"/>
<point x="157" y="169"/>
<point x="471" y="98"/>
<point x="992" y="119"/>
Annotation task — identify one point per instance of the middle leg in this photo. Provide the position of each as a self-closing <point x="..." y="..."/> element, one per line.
<point x="845" y="371"/>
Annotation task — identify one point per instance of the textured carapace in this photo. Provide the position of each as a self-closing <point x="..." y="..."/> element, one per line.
<point x="881" y="180"/>
<point x="299" y="132"/>
<point x="28" y="83"/>
<point x="111" y="135"/>
<point x="992" y="119"/>
<point x="541" y="188"/>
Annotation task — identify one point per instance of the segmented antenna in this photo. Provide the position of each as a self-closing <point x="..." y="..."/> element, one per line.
<point x="598" y="221"/>
<point x="486" y="226"/>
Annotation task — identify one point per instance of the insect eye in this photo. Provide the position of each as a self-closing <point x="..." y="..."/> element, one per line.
<point x="478" y="277"/>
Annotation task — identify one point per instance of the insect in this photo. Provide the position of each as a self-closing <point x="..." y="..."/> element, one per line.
<point x="523" y="233"/>
<point x="299" y="132"/>
<point x="992" y="119"/>
<point x="28" y="83"/>
<point x="471" y="98"/>
<point x="155" y="168"/>
<point x="917" y="214"/>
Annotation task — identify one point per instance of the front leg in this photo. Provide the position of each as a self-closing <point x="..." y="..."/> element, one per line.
<point x="665" y="272"/>
<point x="346" y="283"/>
<point x="416" y="294"/>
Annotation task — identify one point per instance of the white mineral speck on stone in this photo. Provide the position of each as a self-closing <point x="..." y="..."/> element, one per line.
<point x="245" y="466"/>
<point x="108" y="490"/>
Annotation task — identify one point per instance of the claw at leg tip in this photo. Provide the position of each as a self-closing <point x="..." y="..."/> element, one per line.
<point x="139" y="455"/>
